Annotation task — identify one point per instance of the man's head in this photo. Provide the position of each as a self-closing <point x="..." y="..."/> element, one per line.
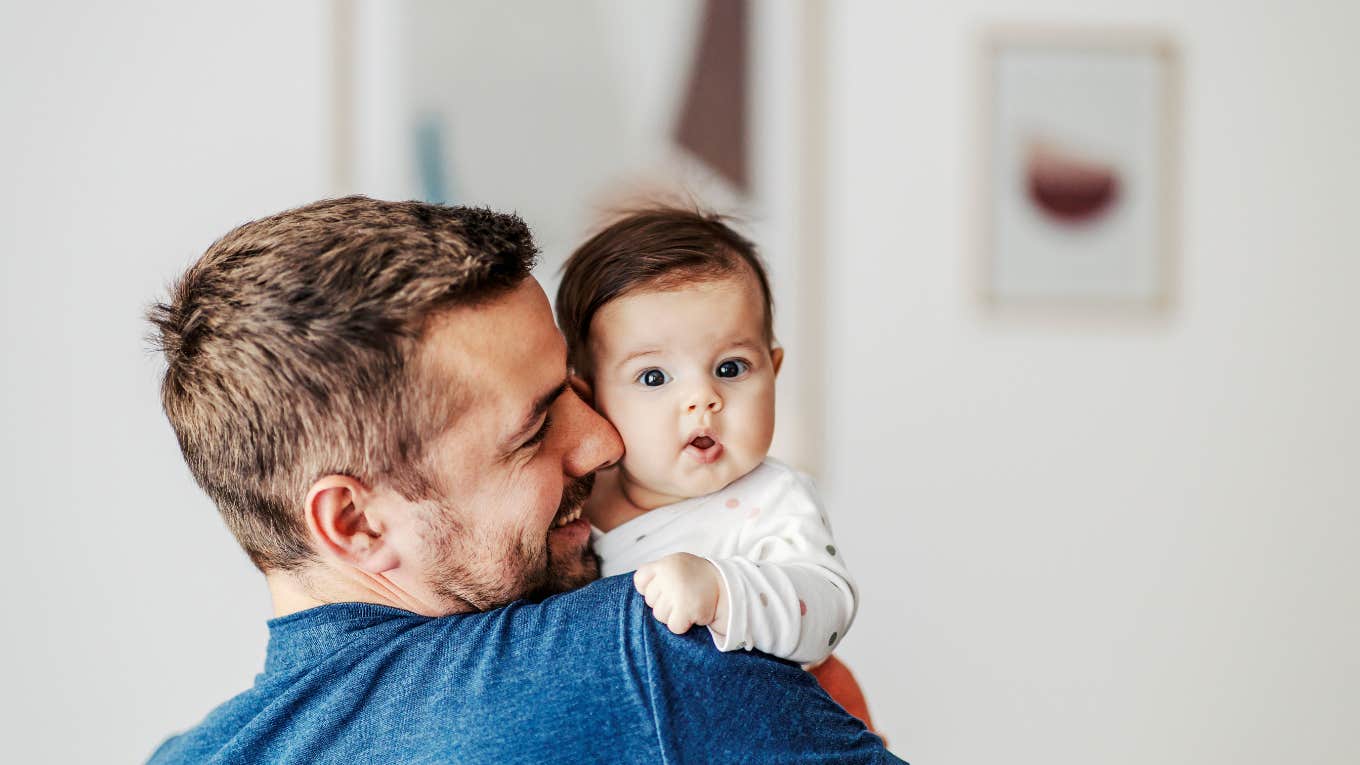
<point x="346" y="381"/>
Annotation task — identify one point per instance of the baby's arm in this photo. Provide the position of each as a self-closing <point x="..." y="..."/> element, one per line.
<point x="789" y="592"/>
<point x="786" y="592"/>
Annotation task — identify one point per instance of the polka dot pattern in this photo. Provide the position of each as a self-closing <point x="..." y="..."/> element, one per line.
<point x="748" y="515"/>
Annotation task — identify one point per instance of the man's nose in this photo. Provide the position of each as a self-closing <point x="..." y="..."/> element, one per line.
<point x="703" y="398"/>
<point x="597" y="443"/>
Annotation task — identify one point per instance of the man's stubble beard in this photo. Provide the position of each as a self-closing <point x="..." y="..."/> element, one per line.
<point x="578" y="570"/>
<point x="525" y="569"/>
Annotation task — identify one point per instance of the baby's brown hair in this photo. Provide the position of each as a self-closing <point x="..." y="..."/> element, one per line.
<point x="656" y="249"/>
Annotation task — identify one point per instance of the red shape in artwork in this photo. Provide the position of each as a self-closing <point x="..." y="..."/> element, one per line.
<point x="1067" y="187"/>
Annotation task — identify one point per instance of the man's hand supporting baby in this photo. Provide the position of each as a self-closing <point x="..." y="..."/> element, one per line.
<point x="684" y="590"/>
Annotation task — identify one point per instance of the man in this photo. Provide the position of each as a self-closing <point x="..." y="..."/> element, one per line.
<point x="376" y="398"/>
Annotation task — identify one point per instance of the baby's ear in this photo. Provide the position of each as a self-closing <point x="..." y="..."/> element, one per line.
<point x="777" y="356"/>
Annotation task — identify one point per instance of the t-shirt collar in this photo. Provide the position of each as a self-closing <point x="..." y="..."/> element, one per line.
<point x="299" y="638"/>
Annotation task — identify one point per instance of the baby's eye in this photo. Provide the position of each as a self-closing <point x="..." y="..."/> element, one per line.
<point x="653" y="378"/>
<point x="732" y="368"/>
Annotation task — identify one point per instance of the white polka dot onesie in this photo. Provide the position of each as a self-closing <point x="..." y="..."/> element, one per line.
<point x="789" y="592"/>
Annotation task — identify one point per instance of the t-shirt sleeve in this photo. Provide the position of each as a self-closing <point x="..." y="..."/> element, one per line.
<point x="709" y="706"/>
<point x="789" y="591"/>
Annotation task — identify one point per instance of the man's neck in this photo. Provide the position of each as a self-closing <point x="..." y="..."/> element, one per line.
<point x="289" y="595"/>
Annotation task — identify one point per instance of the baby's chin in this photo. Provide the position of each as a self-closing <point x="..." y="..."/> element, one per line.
<point x="701" y="487"/>
<point x="697" y="483"/>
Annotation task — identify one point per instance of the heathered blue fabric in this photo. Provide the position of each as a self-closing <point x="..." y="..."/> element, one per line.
<point x="588" y="676"/>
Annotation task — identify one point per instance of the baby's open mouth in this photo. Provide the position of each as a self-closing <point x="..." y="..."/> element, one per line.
<point x="704" y="448"/>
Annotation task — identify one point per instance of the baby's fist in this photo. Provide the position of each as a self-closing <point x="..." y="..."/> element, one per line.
<point x="682" y="589"/>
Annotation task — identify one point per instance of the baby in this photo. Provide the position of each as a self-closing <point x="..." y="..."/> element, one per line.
<point x="668" y="320"/>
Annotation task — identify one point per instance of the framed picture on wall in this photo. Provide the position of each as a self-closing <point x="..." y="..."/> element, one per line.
<point x="1078" y="192"/>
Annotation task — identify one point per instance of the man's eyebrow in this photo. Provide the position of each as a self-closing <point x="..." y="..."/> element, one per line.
<point x="541" y="406"/>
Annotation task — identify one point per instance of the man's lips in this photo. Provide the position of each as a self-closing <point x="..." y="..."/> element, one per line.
<point x="563" y="519"/>
<point x="569" y="536"/>
<point x="567" y="527"/>
<point x="573" y="501"/>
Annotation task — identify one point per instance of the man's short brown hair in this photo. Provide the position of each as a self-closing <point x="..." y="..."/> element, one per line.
<point x="654" y="249"/>
<point x="292" y="352"/>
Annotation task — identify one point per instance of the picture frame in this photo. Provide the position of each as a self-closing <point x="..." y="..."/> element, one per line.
<point x="1078" y="191"/>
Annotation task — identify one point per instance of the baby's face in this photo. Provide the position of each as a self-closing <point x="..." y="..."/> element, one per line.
<point x="687" y="378"/>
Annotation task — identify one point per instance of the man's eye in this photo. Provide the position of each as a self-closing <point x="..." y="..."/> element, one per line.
<point x="542" y="433"/>
<point x="732" y="368"/>
<point x="653" y="378"/>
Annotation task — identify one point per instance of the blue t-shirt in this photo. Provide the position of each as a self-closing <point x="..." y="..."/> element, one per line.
<point x="588" y="676"/>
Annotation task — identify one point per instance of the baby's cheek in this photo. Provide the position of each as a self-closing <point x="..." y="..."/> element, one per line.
<point x="643" y="447"/>
<point x="753" y="423"/>
<point x="608" y="404"/>
<point x="623" y="415"/>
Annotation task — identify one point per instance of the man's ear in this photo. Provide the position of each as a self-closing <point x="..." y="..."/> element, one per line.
<point x="777" y="356"/>
<point x="342" y="524"/>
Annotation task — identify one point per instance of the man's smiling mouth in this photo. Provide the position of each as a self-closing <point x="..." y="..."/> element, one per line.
<point x="573" y="501"/>
<point x="563" y="520"/>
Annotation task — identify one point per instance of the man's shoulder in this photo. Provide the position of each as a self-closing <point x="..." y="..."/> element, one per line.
<point x="648" y="649"/>
<point x="595" y="625"/>
<point x="606" y="612"/>
<point x="601" y="593"/>
<point x="514" y="684"/>
<point x="595" y="606"/>
<point x="504" y="685"/>
<point x="609" y="620"/>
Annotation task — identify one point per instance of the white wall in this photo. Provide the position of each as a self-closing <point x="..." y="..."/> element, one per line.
<point x="1077" y="544"/>
<point x="134" y="133"/>
<point x="1114" y="542"/>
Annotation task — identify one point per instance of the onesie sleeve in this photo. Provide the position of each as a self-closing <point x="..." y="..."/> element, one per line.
<point x="789" y="592"/>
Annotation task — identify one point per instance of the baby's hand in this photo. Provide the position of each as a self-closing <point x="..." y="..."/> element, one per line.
<point x="683" y="590"/>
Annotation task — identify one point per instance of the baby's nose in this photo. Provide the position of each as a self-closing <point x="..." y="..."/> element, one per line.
<point x="706" y="400"/>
